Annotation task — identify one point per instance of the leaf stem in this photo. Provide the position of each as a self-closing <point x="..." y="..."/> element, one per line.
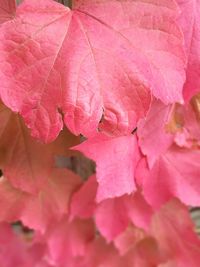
<point x="66" y="3"/>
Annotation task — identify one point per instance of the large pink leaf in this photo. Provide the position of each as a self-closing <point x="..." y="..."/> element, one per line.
<point x="40" y="210"/>
<point x="7" y="10"/>
<point x="74" y="75"/>
<point x="189" y="21"/>
<point x="175" y="173"/>
<point x="24" y="161"/>
<point x="114" y="179"/>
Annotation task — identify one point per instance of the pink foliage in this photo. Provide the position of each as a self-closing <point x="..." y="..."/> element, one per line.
<point x="117" y="72"/>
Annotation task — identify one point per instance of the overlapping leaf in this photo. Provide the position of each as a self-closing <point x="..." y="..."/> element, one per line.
<point x="174" y="174"/>
<point x="189" y="22"/>
<point x="40" y="210"/>
<point x="74" y="75"/>
<point x="68" y="241"/>
<point x="154" y="139"/>
<point x="24" y="161"/>
<point x="174" y="231"/>
<point x="114" y="179"/>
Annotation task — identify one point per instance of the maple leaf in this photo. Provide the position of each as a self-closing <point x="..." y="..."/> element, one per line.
<point x="189" y="23"/>
<point x="112" y="216"/>
<point x="74" y="76"/>
<point x="114" y="179"/>
<point x="24" y="161"/>
<point x="174" y="174"/>
<point x="7" y="10"/>
<point x="38" y="211"/>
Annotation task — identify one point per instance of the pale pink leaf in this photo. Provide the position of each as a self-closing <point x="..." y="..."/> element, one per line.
<point x="174" y="231"/>
<point x="40" y="210"/>
<point x="68" y="240"/>
<point x="16" y="250"/>
<point x="24" y="161"/>
<point x="129" y="238"/>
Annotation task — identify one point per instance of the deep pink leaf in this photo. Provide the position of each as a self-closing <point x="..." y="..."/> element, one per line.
<point x="74" y="75"/>
<point x="114" y="179"/>
<point x="175" y="173"/>
<point x="7" y="10"/>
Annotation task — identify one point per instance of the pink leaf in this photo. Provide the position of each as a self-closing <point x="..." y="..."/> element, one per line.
<point x="176" y="173"/>
<point x="114" y="179"/>
<point x="40" y="210"/>
<point x="21" y="252"/>
<point x="24" y="161"/>
<point x="129" y="238"/>
<point x="7" y="10"/>
<point x="189" y="22"/>
<point x="77" y="67"/>
<point x="100" y="253"/>
<point x="174" y="231"/>
<point x="67" y="241"/>
<point x="83" y="202"/>
<point x="153" y="136"/>
<point x="139" y="211"/>
<point x="111" y="217"/>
